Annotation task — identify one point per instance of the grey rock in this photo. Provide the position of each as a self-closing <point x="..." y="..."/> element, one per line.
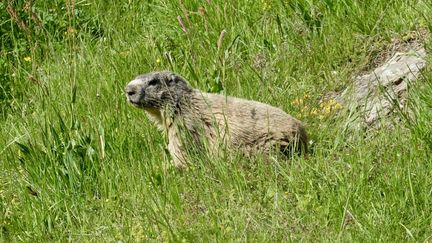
<point x="376" y="93"/>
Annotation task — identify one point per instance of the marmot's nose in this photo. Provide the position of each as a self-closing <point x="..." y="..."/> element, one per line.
<point x="130" y="93"/>
<point x="130" y="90"/>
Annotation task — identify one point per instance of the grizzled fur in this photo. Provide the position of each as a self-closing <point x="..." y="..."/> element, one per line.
<point x="242" y="125"/>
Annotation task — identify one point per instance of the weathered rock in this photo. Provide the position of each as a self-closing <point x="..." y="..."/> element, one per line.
<point x="376" y="93"/>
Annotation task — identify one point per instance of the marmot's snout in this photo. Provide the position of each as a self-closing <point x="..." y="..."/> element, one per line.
<point x="134" y="92"/>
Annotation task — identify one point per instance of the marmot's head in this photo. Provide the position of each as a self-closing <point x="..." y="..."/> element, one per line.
<point x="157" y="90"/>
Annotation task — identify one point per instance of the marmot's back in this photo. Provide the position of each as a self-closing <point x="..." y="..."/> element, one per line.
<point x="250" y="124"/>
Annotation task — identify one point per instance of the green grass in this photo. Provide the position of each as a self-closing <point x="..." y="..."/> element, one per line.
<point x="77" y="163"/>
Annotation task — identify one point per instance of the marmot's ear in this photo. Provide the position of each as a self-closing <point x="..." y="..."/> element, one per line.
<point x="173" y="78"/>
<point x="176" y="79"/>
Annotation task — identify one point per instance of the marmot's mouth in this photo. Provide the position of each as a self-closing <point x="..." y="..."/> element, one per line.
<point x="136" y="104"/>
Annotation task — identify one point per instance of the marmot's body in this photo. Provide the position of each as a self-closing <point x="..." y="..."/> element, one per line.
<point x="213" y="119"/>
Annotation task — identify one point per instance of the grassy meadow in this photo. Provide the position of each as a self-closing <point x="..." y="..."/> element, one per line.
<point x="77" y="163"/>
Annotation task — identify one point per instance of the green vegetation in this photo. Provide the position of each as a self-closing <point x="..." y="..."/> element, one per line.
<point x="78" y="163"/>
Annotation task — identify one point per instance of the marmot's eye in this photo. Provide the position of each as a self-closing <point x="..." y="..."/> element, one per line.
<point x="152" y="82"/>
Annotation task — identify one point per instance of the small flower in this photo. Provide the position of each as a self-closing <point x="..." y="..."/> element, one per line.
<point x="158" y="61"/>
<point x="337" y="106"/>
<point x="266" y="5"/>
<point x="297" y="102"/>
<point x="27" y="59"/>
<point x="326" y="110"/>
<point x="70" y="31"/>
<point x="314" y="111"/>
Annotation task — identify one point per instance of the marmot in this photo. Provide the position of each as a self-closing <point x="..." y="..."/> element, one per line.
<point x="212" y="119"/>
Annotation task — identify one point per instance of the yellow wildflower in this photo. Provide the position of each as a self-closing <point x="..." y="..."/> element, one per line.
<point x="27" y="59"/>
<point x="158" y="61"/>
<point x="314" y="111"/>
<point x="331" y="105"/>
<point x="326" y="107"/>
<point x="297" y="102"/>
<point x="70" y="31"/>
<point x="337" y="106"/>
<point x="266" y="5"/>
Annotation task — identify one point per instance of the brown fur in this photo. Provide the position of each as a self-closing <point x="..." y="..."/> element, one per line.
<point x="213" y="119"/>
